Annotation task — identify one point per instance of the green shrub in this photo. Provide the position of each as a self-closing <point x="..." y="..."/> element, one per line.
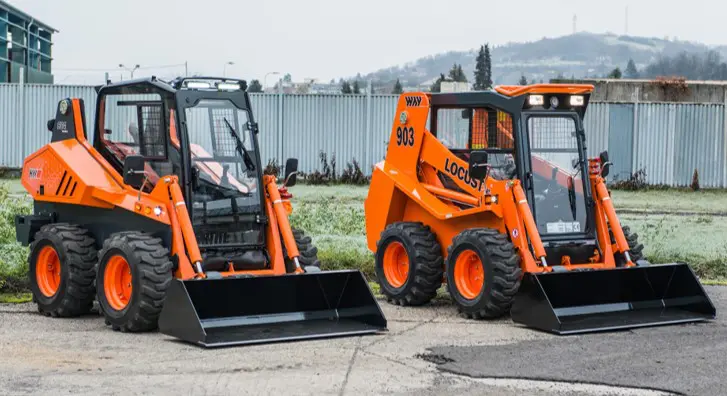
<point x="338" y="229"/>
<point x="329" y="217"/>
<point x="13" y="256"/>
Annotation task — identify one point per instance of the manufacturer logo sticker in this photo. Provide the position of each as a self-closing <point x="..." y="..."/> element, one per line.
<point x="461" y="173"/>
<point x="35" y="173"/>
<point x="62" y="126"/>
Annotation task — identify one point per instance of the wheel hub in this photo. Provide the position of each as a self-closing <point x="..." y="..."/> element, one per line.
<point x="117" y="282"/>
<point x="396" y="264"/>
<point x="469" y="274"/>
<point x="48" y="271"/>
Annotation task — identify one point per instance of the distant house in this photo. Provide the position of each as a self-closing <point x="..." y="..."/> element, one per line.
<point x="309" y="86"/>
<point x="25" y="42"/>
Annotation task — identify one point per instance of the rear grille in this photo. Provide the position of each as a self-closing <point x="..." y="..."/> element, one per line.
<point x="67" y="186"/>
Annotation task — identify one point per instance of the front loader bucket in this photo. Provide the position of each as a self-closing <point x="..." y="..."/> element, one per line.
<point x="599" y="300"/>
<point x="261" y="309"/>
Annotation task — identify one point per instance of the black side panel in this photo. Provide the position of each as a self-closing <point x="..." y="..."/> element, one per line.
<point x="27" y="226"/>
<point x="102" y="222"/>
<point x="65" y="127"/>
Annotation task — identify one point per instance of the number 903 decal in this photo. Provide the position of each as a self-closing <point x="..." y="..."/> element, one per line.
<point x="405" y="136"/>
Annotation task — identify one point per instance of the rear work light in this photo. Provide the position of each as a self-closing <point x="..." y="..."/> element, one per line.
<point x="577" y="100"/>
<point x="197" y="85"/>
<point x="228" y="86"/>
<point x="536" y="100"/>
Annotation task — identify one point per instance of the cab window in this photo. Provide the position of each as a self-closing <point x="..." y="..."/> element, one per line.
<point x="480" y="128"/>
<point x="135" y="124"/>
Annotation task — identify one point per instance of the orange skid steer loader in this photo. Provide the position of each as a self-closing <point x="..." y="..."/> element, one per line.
<point x="169" y="222"/>
<point x="493" y="193"/>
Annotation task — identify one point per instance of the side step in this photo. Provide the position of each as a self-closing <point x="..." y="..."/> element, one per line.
<point x="588" y="301"/>
<point x="263" y="309"/>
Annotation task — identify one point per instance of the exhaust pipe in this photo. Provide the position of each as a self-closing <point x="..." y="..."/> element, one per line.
<point x="601" y="300"/>
<point x="263" y="309"/>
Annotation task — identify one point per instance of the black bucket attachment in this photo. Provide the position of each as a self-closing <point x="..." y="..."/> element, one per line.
<point x="587" y="301"/>
<point x="261" y="309"/>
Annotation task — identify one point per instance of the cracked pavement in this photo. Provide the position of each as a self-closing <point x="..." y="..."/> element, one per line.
<point x="428" y="350"/>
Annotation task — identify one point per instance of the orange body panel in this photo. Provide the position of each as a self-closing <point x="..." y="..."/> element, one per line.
<point x="517" y="90"/>
<point x="407" y="187"/>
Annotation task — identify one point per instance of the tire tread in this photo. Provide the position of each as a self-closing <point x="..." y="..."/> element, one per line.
<point x="505" y="275"/>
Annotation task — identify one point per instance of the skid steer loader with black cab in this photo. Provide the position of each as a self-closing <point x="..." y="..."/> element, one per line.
<point x="169" y="222"/>
<point x="492" y="192"/>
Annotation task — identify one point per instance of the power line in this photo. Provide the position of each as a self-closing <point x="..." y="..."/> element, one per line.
<point x="116" y="67"/>
<point x="162" y="66"/>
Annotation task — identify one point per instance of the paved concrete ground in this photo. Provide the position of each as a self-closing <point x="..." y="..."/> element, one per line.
<point x="688" y="359"/>
<point x="40" y="355"/>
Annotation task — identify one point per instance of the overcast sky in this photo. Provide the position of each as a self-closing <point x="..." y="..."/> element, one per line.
<point x="327" y="39"/>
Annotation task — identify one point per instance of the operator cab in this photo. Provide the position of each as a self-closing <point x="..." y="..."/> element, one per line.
<point x="534" y="134"/>
<point x="201" y="130"/>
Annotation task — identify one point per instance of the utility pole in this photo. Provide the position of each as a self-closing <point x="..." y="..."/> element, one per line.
<point x="130" y="70"/>
<point x="224" y="68"/>
<point x="186" y="70"/>
<point x="575" y="21"/>
<point x="626" y="21"/>
<point x="265" y="80"/>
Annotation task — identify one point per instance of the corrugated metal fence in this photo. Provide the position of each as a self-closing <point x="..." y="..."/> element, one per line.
<point x="667" y="141"/>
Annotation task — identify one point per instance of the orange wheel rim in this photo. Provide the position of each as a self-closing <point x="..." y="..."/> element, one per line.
<point x="48" y="271"/>
<point x="396" y="264"/>
<point x="117" y="282"/>
<point x="469" y="274"/>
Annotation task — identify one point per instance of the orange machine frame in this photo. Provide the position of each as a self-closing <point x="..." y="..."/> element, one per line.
<point x="81" y="176"/>
<point x="406" y="187"/>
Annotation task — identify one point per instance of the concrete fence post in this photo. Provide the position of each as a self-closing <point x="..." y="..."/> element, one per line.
<point x="366" y="158"/>
<point x="281" y="160"/>
<point x="635" y="130"/>
<point x="724" y="141"/>
<point x="22" y="113"/>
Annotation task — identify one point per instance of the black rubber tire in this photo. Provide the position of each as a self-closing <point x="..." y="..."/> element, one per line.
<point x="151" y="275"/>
<point x="426" y="269"/>
<point x="501" y="265"/>
<point x="308" y="252"/>
<point x="76" y="252"/>
<point x="636" y="249"/>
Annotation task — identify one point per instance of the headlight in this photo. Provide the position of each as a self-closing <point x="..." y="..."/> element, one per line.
<point x="197" y="85"/>
<point x="577" y="100"/>
<point x="228" y="86"/>
<point x="536" y="100"/>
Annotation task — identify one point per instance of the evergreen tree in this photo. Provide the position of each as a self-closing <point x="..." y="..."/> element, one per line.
<point x="631" y="71"/>
<point x="460" y="73"/>
<point x="398" y="89"/>
<point x="523" y="80"/>
<point x="437" y="86"/>
<point x="488" y="67"/>
<point x="453" y="73"/>
<point x="255" y="86"/>
<point x="346" y="87"/>
<point x="615" y="73"/>
<point x="480" y="72"/>
<point x="456" y="74"/>
<point x="356" y="88"/>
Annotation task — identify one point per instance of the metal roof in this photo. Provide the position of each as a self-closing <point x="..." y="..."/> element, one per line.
<point x="12" y="9"/>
